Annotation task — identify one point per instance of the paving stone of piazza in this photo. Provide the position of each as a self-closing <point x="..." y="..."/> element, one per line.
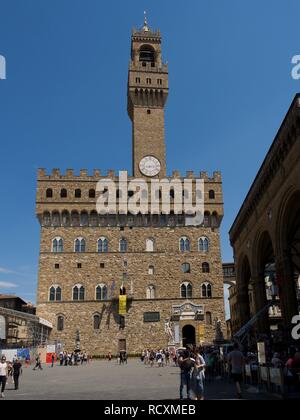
<point x="103" y="380"/>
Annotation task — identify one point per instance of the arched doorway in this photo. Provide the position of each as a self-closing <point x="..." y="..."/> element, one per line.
<point x="188" y="335"/>
<point x="289" y="256"/>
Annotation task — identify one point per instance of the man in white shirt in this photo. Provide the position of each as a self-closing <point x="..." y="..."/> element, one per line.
<point x="3" y="375"/>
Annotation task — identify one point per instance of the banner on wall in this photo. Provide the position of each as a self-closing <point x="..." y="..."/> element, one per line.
<point x="50" y="351"/>
<point x="23" y="354"/>
<point x="122" y="305"/>
<point x="201" y="331"/>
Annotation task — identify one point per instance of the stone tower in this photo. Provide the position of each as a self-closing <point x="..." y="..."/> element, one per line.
<point x="147" y="96"/>
<point x="169" y="270"/>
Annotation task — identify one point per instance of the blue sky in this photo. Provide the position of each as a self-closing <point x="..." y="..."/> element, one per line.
<point x="64" y="101"/>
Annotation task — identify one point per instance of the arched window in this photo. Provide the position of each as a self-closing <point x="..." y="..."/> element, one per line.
<point x="123" y="245"/>
<point x="208" y="318"/>
<point x="65" y="218"/>
<point x="147" y="54"/>
<point x="102" y="245"/>
<point x="186" y="268"/>
<point x="58" y="294"/>
<point x="56" y="218"/>
<point x="57" y="245"/>
<point x="203" y="244"/>
<point x="64" y="193"/>
<point x="49" y="193"/>
<point x="207" y="219"/>
<point x="78" y="193"/>
<point x="92" y="193"/>
<point x="60" y="323"/>
<point x="101" y="292"/>
<point x="94" y="221"/>
<point x="78" y="292"/>
<point x="46" y="219"/>
<point x="186" y="291"/>
<point x="75" y="219"/>
<point x="211" y="195"/>
<point x="150" y="292"/>
<point x="215" y="219"/>
<point x="149" y="245"/>
<point x="206" y="290"/>
<point x="205" y="268"/>
<point x="84" y="218"/>
<point x="151" y="270"/>
<point x="52" y="294"/>
<point x="184" y="244"/>
<point x="97" y="321"/>
<point x="80" y="245"/>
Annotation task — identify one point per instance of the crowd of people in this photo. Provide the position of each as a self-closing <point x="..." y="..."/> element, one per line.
<point x="72" y="359"/>
<point x="160" y="357"/>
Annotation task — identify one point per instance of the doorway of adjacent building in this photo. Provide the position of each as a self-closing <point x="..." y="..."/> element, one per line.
<point x="122" y="345"/>
<point x="188" y="335"/>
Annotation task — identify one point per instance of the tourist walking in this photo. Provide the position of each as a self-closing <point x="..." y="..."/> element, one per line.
<point x="186" y="364"/>
<point x="236" y="361"/>
<point x="198" y="377"/>
<point x="3" y="375"/>
<point x="38" y="364"/>
<point x="17" y="371"/>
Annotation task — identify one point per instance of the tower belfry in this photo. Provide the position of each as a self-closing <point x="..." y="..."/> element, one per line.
<point x="147" y="96"/>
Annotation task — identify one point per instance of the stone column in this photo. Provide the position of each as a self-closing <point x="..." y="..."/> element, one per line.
<point x="260" y="301"/>
<point x="243" y="305"/>
<point x="287" y="292"/>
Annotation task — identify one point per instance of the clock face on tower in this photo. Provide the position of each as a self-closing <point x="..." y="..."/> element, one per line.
<point x="150" y="166"/>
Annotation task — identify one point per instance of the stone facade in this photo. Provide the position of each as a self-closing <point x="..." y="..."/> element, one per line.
<point x="152" y="275"/>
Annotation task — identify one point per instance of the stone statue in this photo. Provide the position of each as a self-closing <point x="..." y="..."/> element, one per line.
<point x="219" y="333"/>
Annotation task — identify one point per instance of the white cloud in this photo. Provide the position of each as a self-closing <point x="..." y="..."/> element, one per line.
<point x="6" y="271"/>
<point x="7" y="285"/>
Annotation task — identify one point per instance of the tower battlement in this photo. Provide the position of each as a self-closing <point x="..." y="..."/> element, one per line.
<point x="96" y="175"/>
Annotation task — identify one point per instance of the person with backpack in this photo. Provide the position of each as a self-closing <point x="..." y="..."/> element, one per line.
<point x="186" y="365"/>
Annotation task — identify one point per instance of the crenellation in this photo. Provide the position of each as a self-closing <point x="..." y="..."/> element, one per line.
<point x="83" y="173"/>
<point x="56" y="173"/>
<point x="70" y="173"/>
<point x="176" y="174"/>
<point x="111" y="174"/>
<point x="97" y="173"/>
<point x="190" y="175"/>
